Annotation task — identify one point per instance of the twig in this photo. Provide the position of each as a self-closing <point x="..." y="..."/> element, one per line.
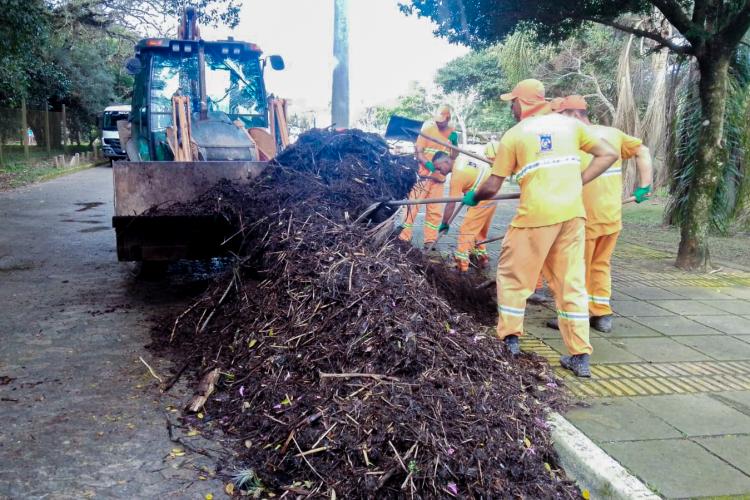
<point x="324" y="435"/>
<point x="306" y="461"/>
<point x="312" y="451"/>
<point x="358" y="375"/>
<point x="221" y="301"/>
<point x="173" y="380"/>
<point x="151" y="370"/>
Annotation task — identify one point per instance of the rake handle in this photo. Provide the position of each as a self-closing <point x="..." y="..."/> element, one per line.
<point x="456" y="148"/>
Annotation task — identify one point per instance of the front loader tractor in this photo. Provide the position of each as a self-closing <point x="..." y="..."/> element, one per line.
<point x="200" y="114"/>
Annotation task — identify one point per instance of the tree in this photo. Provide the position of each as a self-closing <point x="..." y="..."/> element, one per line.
<point x="709" y="30"/>
<point x="472" y="83"/>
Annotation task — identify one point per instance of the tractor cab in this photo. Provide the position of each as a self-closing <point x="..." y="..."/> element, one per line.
<point x="224" y="83"/>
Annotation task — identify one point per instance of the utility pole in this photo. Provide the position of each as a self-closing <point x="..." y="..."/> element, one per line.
<point x="340" y="91"/>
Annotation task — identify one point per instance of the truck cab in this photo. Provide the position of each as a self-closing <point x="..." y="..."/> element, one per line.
<point x="111" y="147"/>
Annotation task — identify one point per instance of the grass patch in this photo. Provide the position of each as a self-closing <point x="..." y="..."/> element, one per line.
<point x="643" y="224"/>
<point x="16" y="171"/>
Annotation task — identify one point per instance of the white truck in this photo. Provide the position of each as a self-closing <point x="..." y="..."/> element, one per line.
<point x="111" y="146"/>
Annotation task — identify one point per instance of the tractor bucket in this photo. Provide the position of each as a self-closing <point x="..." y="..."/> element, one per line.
<point x="140" y="186"/>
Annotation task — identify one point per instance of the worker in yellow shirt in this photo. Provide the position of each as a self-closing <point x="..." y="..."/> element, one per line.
<point x="430" y="183"/>
<point x="602" y="199"/>
<point x="548" y="231"/>
<point x="467" y="175"/>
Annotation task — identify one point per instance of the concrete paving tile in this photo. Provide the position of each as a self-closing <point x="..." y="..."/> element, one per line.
<point x="703" y="293"/>
<point x="729" y="323"/>
<point x="619" y="419"/>
<point x="539" y="311"/>
<point x="648" y="293"/>
<point x="637" y="308"/>
<point x="626" y="327"/>
<point x="721" y="347"/>
<point x="618" y="295"/>
<point x="660" y="349"/>
<point x="739" y="292"/>
<point x="739" y="400"/>
<point x="686" y="307"/>
<point x="676" y="325"/>
<point x="677" y="468"/>
<point x="696" y="414"/>
<point x="537" y="328"/>
<point x="733" y="449"/>
<point x="604" y="351"/>
<point x="731" y="306"/>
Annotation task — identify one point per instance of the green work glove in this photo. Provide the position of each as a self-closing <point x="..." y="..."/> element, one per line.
<point x="469" y="200"/>
<point x="430" y="166"/>
<point x="444" y="228"/>
<point x="641" y="193"/>
<point x="453" y="138"/>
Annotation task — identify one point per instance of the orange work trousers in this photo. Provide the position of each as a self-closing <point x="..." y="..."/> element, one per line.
<point x="475" y="227"/>
<point x="558" y="251"/>
<point x="423" y="189"/>
<point x="599" y="273"/>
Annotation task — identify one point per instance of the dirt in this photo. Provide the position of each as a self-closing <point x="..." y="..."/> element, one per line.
<point x="348" y="363"/>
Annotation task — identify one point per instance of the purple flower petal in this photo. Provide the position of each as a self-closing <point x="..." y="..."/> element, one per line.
<point x="453" y="488"/>
<point x="242" y="391"/>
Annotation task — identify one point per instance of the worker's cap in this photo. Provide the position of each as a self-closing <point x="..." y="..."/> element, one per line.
<point x="555" y="103"/>
<point x="442" y="114"/>
<point x="572" y="102"/>
<point x="532" y="90"/>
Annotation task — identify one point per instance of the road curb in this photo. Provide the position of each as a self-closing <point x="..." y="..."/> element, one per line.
<point x="591" y="467"/>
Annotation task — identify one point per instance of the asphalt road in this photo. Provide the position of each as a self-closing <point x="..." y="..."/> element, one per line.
<point x="81" y="416"/>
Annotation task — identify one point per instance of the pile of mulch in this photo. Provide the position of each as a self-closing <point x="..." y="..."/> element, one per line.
<point x="339" y="365"/>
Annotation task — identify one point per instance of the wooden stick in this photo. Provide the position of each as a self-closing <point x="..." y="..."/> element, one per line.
<point x="491" y="240"/>
<point x="456" y="148"/>
<point x="151" y="370"/>
<point x="358" y="375"/>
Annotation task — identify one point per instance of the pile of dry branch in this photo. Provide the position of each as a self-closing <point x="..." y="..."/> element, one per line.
<point x="340" y="365"/>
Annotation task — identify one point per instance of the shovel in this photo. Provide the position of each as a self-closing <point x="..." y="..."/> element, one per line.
<point x="427" y="201"/>
<point x="405" y="129"/>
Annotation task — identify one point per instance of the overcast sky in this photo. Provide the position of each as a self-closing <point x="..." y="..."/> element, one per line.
<point x="387" y="50"/>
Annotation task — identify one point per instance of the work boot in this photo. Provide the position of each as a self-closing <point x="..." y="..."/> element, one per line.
<point x="554" y="324"/>
<point x="577" y="363"/>
<point x="513" y="345"/>
<point x="601" y="323"/>
<point x="538" y="297"/>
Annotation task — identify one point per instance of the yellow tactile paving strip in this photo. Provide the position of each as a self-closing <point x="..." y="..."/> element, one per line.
<point x="649" y="379"/>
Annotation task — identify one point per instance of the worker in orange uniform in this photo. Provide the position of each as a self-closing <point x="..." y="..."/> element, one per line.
<point x="602" y="199"/>
<point x="548" y="231"/>
<point x="431" y="183"/>
<point x="467" y="175"/>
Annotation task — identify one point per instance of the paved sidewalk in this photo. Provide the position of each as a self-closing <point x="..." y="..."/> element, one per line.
<point x="670" y="393"/>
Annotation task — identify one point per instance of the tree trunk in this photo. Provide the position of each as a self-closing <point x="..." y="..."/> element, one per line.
<point x="693" y="252"/>
<point x="340" y="91"/>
